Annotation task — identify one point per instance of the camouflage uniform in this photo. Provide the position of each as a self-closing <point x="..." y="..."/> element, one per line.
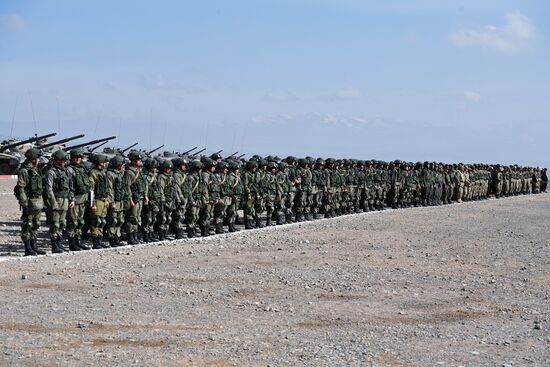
<point x="80" y="186"/>
<point x="115" y="188"/>
<point x="135" y="187"/>
<point x="59" y="196"/>
<point x="99" y="202"/>
<point x="28" y="192"/>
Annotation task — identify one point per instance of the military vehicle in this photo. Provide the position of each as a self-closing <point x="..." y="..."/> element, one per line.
<point x="12" y="152"/>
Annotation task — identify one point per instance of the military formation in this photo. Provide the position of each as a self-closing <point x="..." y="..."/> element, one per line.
<point x="104" y="201"/>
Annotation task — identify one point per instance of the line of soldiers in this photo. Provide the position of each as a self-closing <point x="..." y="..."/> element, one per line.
<point x="145" y="199"/>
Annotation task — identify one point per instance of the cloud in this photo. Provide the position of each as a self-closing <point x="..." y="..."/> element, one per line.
<point x="344" y="95"/>
<point x="472" y="96"/>
<point x="518" y="32"/>
<point x="315" y="119"/>
<point x="159" y="83"/>
<point x="12" y="22"/>
<point x="279" y="96"/>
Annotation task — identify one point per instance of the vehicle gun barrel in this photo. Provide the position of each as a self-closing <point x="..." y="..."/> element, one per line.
<point x="31" y="140"/>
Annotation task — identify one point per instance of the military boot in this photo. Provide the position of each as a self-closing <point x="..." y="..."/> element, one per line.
<point x="112" y="242"/>
<point x="79" y="244"/>
<point x="219" y="228"/>
<point x="190" y="233"/>
<point x="130" y="239"/>
<point x="56" y="247"/>
<point x="29" y="251"/>
<point x="248" y="223"/>
<point x="280" y="220"/>
<point x="204" y="230"/>
<point x="72" y="245"/>
<point x="258" y="222"/>
<point x="35" y="248"/>
<point x="95" y="243"/>
<point x="288" y="217"/>
<point x="179" y="234"/>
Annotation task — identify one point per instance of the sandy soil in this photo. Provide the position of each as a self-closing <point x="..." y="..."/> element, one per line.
<point x="465" y="284"/>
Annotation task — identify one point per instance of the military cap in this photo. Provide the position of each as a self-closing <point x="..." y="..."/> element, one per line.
<point x="221" y="165"/>
<point x="135" y="155"/>
<point x="283" y="164"/>
<point x="117" y="160"/>
<point x="320" y="161"/>
<point x="216" y="156"/>
<point x="272" y="165"/>
<point x="77" y="152"/>
<point x="290" y="159"/>
<point x="33" y="153"/>
<point x="60" y="155"/>
<point x="233" y="165"/>
<point x="262" y="162"/>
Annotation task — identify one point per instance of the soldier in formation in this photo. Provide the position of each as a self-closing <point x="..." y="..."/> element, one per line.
<point x="144" y="199"/>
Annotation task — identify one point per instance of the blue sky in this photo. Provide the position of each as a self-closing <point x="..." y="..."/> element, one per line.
<point x="418" y="80"/>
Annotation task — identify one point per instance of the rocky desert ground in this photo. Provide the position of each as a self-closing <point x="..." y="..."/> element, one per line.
<point x="458" y="285"/>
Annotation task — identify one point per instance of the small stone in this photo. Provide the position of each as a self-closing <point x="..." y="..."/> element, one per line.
<point x="24" y="277"/>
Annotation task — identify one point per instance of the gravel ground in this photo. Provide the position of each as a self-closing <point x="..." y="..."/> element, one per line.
<point x="465" y="284"/>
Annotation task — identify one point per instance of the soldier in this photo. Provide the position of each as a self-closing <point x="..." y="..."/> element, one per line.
<point x="235" y="193"/>
<point x="80" y="186"/>
<point x="99" y="200"/>
<point x="195" y="198"/>
<point x="60" y="198"/>
<point x="261" y="184"/>
<point x="319" y="186"/>
<point x="293" y="182"/>
<point x="219" y="196"/>
<point x="544" y="180"/>
<point x="206" y="212"/>
<point x="149" y="213"/>
<point x="28" y="192"/>
<point x="281" y="193"/>
<point x="182" y="196"/>
<point x="250" y="190"/>
<point x="396" y="183"/>
<point x="115" y="188"/>
<point x="168" y="195"/>
<point x="136" y="195"/>
<point x="270" y="191"/>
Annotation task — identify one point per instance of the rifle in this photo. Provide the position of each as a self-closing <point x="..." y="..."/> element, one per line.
<point x="154" y="150"/>
<point x="60" y="141"/>
<point x="31" y="140"/>
<point x="242" y="155"/>
<point x="218" y="152"/>
<point x="232" y="155"/>
<point x="130" y="147"/>
<point x="90" y="143"/>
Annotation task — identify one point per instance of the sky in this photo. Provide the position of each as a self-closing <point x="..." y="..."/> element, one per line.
<point x="426" y="80"/>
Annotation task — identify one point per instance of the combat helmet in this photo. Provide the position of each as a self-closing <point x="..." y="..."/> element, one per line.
<point x="33" y="153"/>
<point x="60" y="155"/>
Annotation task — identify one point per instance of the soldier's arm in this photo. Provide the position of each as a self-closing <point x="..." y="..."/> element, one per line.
<point x="22" y="182"/>
<point x="50" y="178"/>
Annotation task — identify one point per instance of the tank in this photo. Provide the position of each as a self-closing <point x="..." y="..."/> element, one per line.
<point x="12" y="152"/>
